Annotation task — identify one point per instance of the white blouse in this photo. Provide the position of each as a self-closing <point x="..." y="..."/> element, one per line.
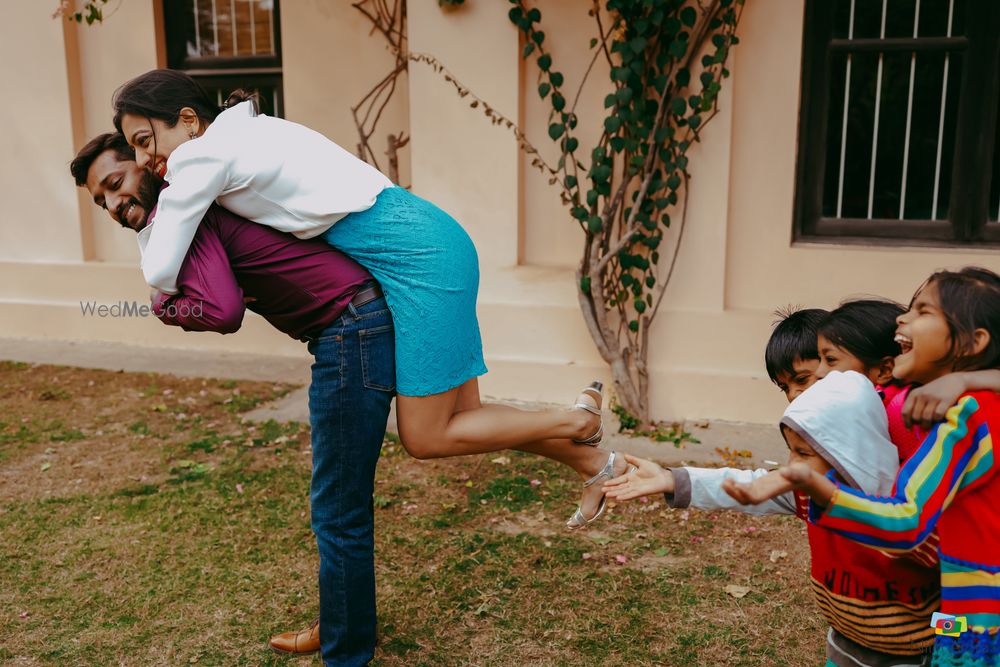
<point x="268" y="170"/>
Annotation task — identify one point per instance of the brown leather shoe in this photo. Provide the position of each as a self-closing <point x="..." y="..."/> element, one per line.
<point x="294" y="643"/>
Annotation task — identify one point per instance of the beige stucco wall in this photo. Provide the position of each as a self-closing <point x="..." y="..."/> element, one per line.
<point x="736" y="264"/>
<point x="39" y="214"/>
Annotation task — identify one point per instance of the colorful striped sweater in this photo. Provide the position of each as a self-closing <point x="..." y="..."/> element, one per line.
<point x="951" y="485"/>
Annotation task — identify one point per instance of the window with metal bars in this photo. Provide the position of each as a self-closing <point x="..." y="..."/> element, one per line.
<point x="898" y="134"/>
<point x="227" y="44"/>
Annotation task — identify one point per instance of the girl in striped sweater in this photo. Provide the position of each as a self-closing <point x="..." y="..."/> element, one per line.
<point x="949" y="484"/>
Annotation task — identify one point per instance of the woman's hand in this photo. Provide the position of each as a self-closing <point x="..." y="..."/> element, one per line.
<point x="646" y="479"/>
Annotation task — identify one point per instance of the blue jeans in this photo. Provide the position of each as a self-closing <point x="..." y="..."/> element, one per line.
<point x="353" y="382"/>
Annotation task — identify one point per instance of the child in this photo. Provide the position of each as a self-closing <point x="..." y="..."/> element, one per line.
<point x="951" y="482"/>
<point x="790" y="353"/>
<point x="860" y="336"/>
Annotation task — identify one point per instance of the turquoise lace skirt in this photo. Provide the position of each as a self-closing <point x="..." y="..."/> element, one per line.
<point x="429" y="272"/>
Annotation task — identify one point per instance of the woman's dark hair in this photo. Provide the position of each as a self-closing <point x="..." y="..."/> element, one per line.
<point x="864" y="327"/>
<point x="162" y="93"/>
<point x="970" y="300"/>
<point x="109" y="141"/>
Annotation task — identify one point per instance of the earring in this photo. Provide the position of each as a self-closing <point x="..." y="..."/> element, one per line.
<point x="192" y="134"/>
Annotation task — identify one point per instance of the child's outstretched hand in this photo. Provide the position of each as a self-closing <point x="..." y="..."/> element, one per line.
<point x="927" y="405"/>
<point x="771" y="485"/>
<point x="787" y="478"/>
<point x="645" y="479"/>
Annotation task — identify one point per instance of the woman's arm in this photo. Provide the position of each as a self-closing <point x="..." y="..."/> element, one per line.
<point x="956" y="453"/>
<point x="209" y="298"/>
<point x="196" y="180"/>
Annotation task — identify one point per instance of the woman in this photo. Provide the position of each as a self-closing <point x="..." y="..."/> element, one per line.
<point x="286" y="176"/>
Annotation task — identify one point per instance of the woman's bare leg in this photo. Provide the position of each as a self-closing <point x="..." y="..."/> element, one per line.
<point x="456" y="422"/>
<point x="467" y="410"/>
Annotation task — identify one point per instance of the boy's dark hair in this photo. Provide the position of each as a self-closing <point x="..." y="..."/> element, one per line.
<point x="109" y="141"/>
<point x="864" y="327"/>
<point x="970" y="300"/>
<point x="162" y="93"/>
<point x="793" y="339"/>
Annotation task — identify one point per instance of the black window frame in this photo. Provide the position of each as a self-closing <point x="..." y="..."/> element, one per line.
<point x="972" y="164"/>
<point x="249" y="72"/>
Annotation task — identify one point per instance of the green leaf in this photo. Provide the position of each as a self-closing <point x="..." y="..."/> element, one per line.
<point x="678" y="106"/>
<point x="624" y="94"/>
<point x="528" y="48"/>
<point x="612" y="124"/>
<point x="609" y="100"/>
<point x="558" y="101"/>
<point x="515" y="15"/>
<point x="535" y="15"/>
<point x="633" y="325"/>
<point x="678" y="48"/>
<point x="683" y="77"/>
<point x="585" y="284"/>
<point x="538" y="37"/>
<point x="674" y="182"/>
<point x="556" y="130"/>
<point x="694" y="122"/>
<point x="595" y="224"/>
<point x="689" y="16"/>
<point x="570" y="181"/>
<point x="639" y="305"/>
<point x="593" y="42"/>
<point x="571" y="144"/>
<point x="543" y="90"/>
<point x="650" y="281"/>
<point x="638" y="44"/>
<point x="556" y="78"/>
<point x="544" y="62"/>
<point x="617" y="144"/>
<point x="580" y="213"/>
<point x="592" y="197"/>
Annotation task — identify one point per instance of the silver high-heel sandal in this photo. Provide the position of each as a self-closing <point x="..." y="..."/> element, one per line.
<point x="595" y="439"/>
<point x="607" y="472"/>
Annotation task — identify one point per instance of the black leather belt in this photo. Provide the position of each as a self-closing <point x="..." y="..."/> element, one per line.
<point x="366" y="294"/>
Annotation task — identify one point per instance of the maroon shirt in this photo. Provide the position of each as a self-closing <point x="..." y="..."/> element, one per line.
<point x="299" y="286"/>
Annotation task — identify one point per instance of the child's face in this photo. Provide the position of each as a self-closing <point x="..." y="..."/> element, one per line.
<point x="802" y="377"/>
<point x="922" y="333"/>
<point x="800" y="451"/>
<point x="835" y="358"/>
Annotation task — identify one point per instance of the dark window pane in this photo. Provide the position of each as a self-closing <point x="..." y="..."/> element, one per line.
<point x="934" y="17"/>
<point x="899" y="18"/>
<point x="860" y="128"/>
<point x="867" y="18"/>
<point x="891" y="135"/>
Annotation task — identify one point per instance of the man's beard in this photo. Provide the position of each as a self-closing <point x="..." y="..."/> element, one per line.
<point x="147" y="192"/>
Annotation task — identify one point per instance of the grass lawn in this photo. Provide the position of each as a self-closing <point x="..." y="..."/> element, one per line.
<point x="143" y="523"/>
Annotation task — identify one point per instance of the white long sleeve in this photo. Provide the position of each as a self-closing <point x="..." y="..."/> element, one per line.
<point x="701" y="488"/>
<point x="268" y="170"/>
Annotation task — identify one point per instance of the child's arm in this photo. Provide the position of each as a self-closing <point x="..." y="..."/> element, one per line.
<point x="195" y="181"/>
<point x="692" y="487"/>
<point x="957" y="453"/>
<point x="927" y="405"/>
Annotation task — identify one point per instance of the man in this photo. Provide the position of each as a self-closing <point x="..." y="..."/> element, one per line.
<point x="313" y="293"/>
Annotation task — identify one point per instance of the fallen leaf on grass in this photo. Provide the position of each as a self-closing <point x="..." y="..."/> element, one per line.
<point x="778" y="555"/>
<point x="46" y="466"/>
<point x="620" y="559"/>
<point x="500" y="460"/>
<point x="536" y="482"/>
<point x="737" y="591"/>
<point x="587" y="555"/>
<point x="239" y="488"/>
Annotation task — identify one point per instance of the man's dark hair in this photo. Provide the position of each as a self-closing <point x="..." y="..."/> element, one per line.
<point x="970" y="300"/>
<point x="793" y="339"/>
<point x="864" y="327"/>
<point x="109" y="141"/>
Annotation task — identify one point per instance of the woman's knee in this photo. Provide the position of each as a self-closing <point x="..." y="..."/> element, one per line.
<point x="423" y="447"/>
